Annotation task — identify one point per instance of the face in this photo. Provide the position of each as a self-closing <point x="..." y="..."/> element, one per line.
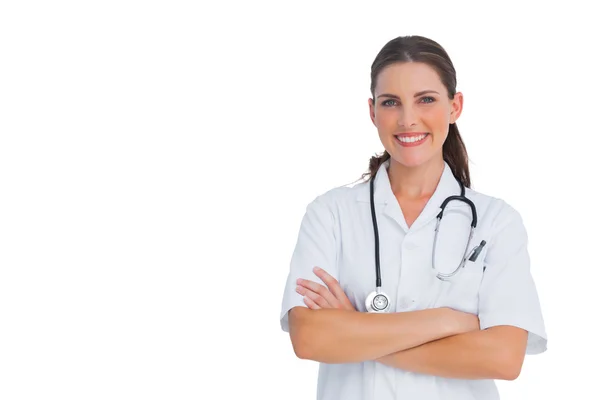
<point x="411" y="101"/>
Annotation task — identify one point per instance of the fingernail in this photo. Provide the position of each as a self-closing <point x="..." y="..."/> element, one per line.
<point x="299" y="281"/>
<point x="317" y="269"/>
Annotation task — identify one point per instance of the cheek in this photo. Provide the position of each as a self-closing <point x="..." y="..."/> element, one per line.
<point x="386" y="118"/>
<point x="438" y="118"/>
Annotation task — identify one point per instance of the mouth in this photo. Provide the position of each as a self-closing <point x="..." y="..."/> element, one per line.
<point x="412" y="139"/>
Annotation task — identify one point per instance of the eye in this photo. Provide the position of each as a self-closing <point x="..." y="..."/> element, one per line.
<point x="386" y="103"/>
<point x="430" y="98"/>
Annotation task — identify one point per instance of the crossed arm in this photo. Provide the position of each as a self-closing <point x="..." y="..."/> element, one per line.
<point x="441" y="342"/>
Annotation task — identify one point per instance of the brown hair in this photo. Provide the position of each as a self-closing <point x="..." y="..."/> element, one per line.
<point x="421" y="49"/>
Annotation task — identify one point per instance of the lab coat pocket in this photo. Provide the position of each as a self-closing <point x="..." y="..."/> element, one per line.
<point x="461" y="292"/>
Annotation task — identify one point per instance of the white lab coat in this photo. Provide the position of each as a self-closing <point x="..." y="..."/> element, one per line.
<point x="336" y="234"/>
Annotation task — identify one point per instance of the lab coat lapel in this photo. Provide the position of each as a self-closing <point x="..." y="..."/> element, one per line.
<point x="389" y="206"/>
<point x="385" y="196"/>
<point x="447" y="186"/>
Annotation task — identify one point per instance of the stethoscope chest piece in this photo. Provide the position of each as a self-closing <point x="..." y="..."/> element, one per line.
<point x="378" y="302"/>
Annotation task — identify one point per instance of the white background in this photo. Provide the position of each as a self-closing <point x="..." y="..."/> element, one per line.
<point x="156" y="159"/>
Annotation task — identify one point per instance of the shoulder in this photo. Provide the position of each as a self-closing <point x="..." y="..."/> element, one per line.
<point x="498" y="213"/>
<point x="339" y="196"/>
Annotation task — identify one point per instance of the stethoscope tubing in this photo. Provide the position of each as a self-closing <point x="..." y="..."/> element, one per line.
<point x="442" y="276"/>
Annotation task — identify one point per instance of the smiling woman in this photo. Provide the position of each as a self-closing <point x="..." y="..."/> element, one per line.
<point x="447" y="316"/>
<point x="417" y="89"/>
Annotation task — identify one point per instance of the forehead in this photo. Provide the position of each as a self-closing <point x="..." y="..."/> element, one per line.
<point x="408" y="78"/>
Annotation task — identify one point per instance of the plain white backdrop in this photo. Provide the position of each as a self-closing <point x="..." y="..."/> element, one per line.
<point x="156" y="159"/>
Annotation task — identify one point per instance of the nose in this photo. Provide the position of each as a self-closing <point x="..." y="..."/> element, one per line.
<point x="407" y="117"/>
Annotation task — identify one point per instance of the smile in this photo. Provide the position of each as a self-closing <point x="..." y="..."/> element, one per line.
<point x="412" y="140"/>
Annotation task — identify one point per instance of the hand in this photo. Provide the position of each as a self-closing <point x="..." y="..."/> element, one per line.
<point x="317" y="296"/>
<point x="462" y="322"/>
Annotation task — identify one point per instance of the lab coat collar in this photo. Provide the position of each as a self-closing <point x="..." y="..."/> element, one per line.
<point x="447" y="186"/>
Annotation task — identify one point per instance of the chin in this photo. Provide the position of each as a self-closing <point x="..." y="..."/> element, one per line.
<point x="412" y="160"/>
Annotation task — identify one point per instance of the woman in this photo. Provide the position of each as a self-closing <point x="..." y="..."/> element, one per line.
<point x="455" y="318"/>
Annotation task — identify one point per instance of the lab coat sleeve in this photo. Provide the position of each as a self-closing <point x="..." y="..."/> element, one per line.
<point x="508" y="294"/>
<point x="315" y="246"/>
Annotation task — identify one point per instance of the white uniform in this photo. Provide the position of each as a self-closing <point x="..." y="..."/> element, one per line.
<point x="336" y="234"/>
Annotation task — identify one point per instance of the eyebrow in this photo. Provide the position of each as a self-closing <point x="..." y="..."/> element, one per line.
<point x="393" y="96"/>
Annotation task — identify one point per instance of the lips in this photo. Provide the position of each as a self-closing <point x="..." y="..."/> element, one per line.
<point x="410" y="134"/>
<point x="410" y="139"/>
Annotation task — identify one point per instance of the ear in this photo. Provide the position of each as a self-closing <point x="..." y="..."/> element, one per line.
<point x="457" y="107"/>
<point x="372" y="110"/>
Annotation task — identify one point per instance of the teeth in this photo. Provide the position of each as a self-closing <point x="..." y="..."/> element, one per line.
<point x="411" y="139"/>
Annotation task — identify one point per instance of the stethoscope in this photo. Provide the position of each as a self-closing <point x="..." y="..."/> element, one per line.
<point x="378" y="301"/>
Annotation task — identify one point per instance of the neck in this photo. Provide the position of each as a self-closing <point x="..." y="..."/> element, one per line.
<point x="414" y="183"/>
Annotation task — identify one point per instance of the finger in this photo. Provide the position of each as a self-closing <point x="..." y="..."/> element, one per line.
<point x="320" y="290"/>
<point x="334" y="287"/>
<point x="330" y="281"/>
<point x="320" y="301"/>
<point x="311" y="304"/>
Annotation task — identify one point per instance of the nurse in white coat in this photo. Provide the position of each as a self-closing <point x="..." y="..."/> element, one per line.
<point x="440" y="339"/>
